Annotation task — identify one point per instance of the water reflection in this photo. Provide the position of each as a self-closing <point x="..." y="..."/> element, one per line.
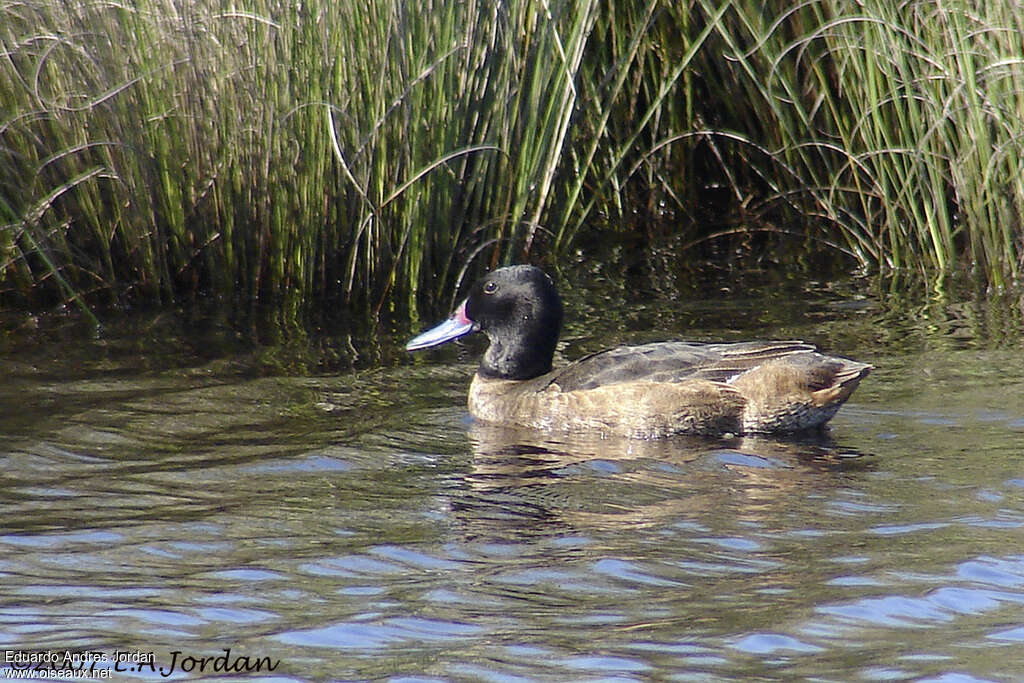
<point x="582" y="481"/>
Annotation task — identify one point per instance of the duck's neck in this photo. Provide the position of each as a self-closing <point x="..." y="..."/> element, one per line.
<point x="518" y="357"/>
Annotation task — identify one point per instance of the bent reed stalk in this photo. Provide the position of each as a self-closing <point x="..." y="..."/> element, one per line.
<point x="902" y="125"/>
<point x="369" y="153"/>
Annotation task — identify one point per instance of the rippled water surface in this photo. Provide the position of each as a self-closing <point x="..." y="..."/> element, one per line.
<point x="164" y="493"/>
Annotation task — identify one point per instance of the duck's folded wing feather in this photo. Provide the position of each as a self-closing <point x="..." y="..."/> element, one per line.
<point x="670" y="362"/>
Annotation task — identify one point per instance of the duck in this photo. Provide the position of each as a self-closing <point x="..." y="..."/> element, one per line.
<point x="647" y="391"/>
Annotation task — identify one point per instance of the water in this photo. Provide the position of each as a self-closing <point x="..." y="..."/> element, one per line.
<point x="173" y="495"/>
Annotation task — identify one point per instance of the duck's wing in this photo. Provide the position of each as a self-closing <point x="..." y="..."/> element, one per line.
<point x="670" y="362"/>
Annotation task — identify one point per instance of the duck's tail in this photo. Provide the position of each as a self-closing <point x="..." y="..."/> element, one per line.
<point x="797" y="392"/>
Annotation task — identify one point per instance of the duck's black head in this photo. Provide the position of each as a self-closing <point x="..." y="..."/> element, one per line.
<point x="518" y="308"/>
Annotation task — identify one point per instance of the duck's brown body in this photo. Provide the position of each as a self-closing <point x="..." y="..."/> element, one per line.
<point x="638" y="409"/>
<point x="714" y="389"/>
<point x="648" y="391"/>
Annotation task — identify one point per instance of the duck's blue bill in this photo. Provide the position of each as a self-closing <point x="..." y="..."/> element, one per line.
<point x="454" y="327"/>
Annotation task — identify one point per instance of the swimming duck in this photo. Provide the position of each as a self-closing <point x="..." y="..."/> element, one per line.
<point x="646" y="391"/>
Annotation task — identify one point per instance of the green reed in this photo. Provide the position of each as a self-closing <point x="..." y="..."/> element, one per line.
<point x="369" y="154"/>
<point x="279" y="151"/>
<point x="899" y="124"/>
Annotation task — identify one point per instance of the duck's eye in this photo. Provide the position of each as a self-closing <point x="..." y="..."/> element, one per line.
<point x="490" y="287"/>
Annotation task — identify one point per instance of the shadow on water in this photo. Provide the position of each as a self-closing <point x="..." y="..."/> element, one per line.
<point x="329" y="504"/>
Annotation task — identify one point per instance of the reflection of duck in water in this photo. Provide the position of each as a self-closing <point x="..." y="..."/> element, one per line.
<point x="652" y="390"/>
<point x="523" y="480"/>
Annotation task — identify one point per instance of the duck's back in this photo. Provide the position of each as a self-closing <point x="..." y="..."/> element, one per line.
<point x="670" y="362"/>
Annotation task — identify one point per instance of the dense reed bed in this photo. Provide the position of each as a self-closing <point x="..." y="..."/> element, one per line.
<point x="368" y="154"/>
<point x="899" y="124"/>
